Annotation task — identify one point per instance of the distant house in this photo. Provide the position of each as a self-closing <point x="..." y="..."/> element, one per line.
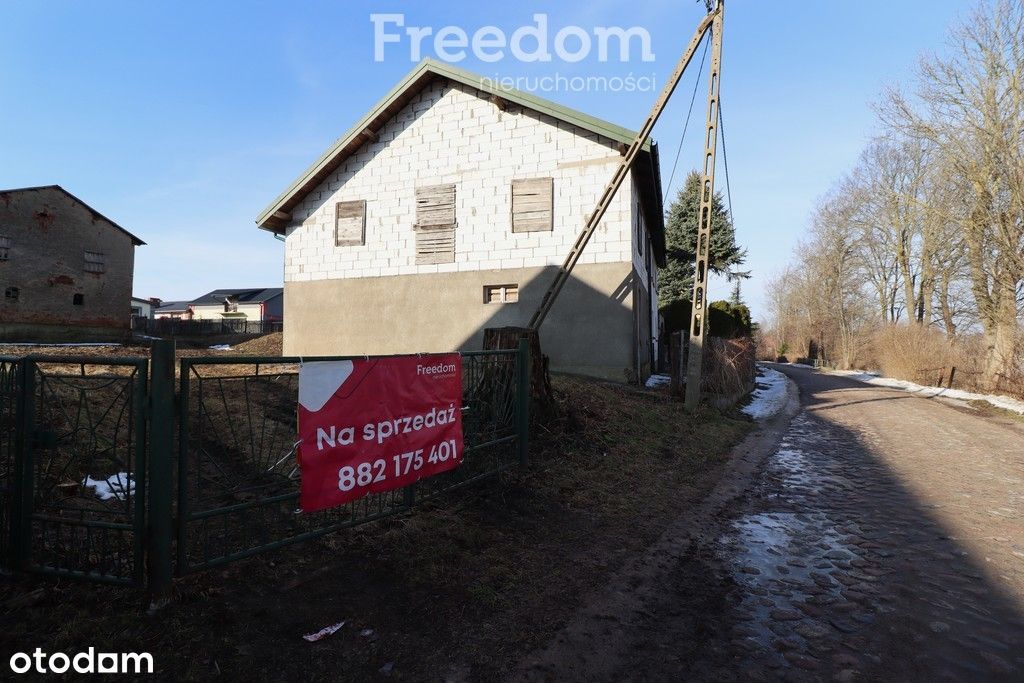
<point x="253" y="305"/>
<point x="177" y="310"/>
<point x="144" y="308"/>
<point x="448" y="208"/>
<point x="65" y="269"/>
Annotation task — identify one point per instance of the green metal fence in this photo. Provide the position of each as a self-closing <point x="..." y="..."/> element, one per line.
<point x="238" y="481"/>
<point x="8" y="416"/>
<point x="101" y="459"/>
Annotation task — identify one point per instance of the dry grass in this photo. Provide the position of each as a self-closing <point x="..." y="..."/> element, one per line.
<point x="730" y="366"/>
<point x="926" y="356"/>
<point x="912" y="353"/>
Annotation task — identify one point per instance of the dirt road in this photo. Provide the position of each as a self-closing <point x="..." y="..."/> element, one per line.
<point x="882" y="538"/>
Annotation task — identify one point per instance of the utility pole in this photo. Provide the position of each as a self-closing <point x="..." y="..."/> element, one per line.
<point x="698" y="316"/>
<point x="621" y="173"/>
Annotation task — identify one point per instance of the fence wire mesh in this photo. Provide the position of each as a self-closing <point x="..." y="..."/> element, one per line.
<point x="238" y="484"/>
<point x="74" y="458"/>
<point x="84" y="468"/>
<point x="8" y="430"/>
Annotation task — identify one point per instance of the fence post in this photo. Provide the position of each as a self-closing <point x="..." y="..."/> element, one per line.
<point x="952" y="374"/>
<point x="523" y="401"/>
<point x="21" y="508"/>
<point x="161" y="469"/>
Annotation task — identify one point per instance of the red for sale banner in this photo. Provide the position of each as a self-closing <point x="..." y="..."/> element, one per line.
<point x="374" y="425"/>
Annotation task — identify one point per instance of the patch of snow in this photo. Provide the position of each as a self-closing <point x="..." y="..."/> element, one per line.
<point x="656" y="381"/>
<point x="1004" y="402"/>
<point x="221" y="347"/>
<point x="118" y="486"/>
<point x="770" y="396"/>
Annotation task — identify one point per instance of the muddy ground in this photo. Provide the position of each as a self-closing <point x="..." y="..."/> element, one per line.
<point x="462" y="589"/>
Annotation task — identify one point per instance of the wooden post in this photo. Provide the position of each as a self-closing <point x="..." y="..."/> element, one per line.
<point x="677" y="366"/>
<point x="952" y="374"/>
<point x="540" y="377"/>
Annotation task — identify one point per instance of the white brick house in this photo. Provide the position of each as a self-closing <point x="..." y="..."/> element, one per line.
<point x="448" y="208"/>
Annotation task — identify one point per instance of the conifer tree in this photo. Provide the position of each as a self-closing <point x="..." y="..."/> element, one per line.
<point x="676" y="278"/>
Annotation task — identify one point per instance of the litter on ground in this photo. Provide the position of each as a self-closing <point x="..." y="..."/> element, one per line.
<point x="324" y="632"/>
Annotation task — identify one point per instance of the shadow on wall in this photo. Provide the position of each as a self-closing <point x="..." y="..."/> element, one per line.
<point x="590" y="330"/>
<point x="587" y="332"/>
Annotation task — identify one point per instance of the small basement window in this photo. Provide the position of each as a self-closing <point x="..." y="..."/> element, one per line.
<point x="12" y="293"/>
<point x="501" y="294"/>
<point x="95" y="262"/>
<point x="78" y="300"/>
<point x="5" y="248"/>
<point x="533" y="205"/>
<point x="350" y="223"/>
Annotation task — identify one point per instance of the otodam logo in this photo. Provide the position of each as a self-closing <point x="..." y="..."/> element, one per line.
<point x="88" y="662"/>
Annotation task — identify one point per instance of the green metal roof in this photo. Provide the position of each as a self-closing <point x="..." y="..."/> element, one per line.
<point x="414" y="81"/>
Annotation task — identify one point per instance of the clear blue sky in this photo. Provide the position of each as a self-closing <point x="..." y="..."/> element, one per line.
<point x="182" y="120"/>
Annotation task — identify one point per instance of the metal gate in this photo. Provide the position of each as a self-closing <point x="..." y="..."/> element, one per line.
<point x="87" y="460"/>
<point x="78" y="450"/>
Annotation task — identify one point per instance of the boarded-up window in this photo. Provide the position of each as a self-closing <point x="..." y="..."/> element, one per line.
<point x="501" y="294"/>
<point x="350" y="223"/>
<point x="95" y="262"/>
<point x="5" y="248"/>
<point x="533" y="205"/>
<point x="435" y="224"/>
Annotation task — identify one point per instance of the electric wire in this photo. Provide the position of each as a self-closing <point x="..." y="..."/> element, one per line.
<point x="693" y="99"/>
<point x="725" y="159"/>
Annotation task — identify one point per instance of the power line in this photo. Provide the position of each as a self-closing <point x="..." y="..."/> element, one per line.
<point x="725" y="159"/>
<point x="679" y="152"/>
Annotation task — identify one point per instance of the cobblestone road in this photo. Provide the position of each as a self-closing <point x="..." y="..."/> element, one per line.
<point x="884" y="538"/>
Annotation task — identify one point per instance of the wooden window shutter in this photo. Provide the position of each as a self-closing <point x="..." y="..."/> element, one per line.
<point x="435" y="207"/>
<point x="533" y="203"/>
<point x="435" y="224"/>
<point x="95" y="262"/>
<point x="350" y="223"/>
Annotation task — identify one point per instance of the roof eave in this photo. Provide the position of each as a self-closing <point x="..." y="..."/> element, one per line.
<point x="135" y="240"/>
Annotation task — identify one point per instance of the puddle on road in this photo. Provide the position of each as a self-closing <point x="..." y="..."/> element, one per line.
<point x="786" y="561"/>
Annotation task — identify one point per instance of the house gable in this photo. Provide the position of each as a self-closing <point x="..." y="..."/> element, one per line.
<point x="368" y="132"/>
<point x="450" y="133"/>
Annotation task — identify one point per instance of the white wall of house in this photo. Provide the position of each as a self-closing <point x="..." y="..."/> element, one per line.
<point x="142" y="308"/>
<point x="449" y="134"/>
<point x="216" y="312"/>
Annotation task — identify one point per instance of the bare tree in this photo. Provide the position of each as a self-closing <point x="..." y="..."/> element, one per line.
<point x="970" y="105"/>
